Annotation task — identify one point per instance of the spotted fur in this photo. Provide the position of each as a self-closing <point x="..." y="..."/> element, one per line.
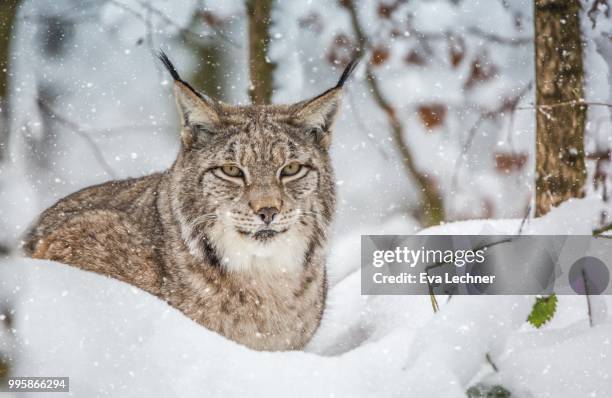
<point x="196" y="236"/>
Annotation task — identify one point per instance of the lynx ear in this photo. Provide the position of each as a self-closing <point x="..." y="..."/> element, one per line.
<point x="319" y="113"/>
<point x="199" y="113"/>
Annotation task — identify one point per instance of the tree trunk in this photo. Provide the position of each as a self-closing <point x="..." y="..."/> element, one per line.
<point x="560" y="111"/>
<point x="260" y="68"/>
<point x="8" y="11"/>
<point x="209" y="73"/>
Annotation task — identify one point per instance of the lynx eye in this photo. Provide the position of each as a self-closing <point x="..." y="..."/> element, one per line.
<point x="200" y="129"/>
<point x="232" y="171"/>
<point x="291" y="169"/>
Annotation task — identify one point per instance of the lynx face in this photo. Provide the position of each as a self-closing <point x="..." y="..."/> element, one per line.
<point x="254" y="184"/>
<point x="266" y="181"/>
<point x="255" y="187"/>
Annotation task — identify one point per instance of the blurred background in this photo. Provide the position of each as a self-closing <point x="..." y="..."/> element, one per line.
<point x="437" y="123"/>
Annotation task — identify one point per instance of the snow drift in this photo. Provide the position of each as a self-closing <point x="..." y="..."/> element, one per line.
<point x="112" y="339"/>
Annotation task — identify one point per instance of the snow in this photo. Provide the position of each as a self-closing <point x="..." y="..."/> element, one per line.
<point x="113" y="339"/>
<point x="573" y="362"/>
<point x="572" y="217"/>
<point x="134" y="343"/>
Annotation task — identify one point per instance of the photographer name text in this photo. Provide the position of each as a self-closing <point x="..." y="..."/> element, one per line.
<point x="428" y="258"/>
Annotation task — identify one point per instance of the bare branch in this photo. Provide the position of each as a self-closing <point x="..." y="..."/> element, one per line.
<point x="473" y="31"/>
<point x="490" y="361"/>
<point x="594" y="11"/>
<point x="477" y="248"/>
<point x="184" y="33"/>
<point x="362" y="127"/>
<point x="509" y="105"/>
<point x="527" y="213"/>
<point x="588" y="298"/>
<point x="564" y="103"/>
<point x="47" y="110"/>
<point x="432" y="295"/>
<point x="601" y="230"/>
<point x="434" y="302"/>
<point x="432" y="207"/>
<point x="494" y="38"/>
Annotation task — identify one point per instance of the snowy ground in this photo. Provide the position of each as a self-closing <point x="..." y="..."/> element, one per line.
<point x="114" y="340"/>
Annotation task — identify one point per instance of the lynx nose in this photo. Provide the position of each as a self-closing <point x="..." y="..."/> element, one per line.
<point x="267" y="214"/>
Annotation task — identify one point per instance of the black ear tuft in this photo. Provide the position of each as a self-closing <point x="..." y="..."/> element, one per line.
<point x="169" y="66"/>
<point x="348" y="71"/>
<point x="172" y="70"/>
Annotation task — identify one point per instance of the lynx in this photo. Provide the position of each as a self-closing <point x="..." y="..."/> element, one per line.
<point x="233" y="234"/>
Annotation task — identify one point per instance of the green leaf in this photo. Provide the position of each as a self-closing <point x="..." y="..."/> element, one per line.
<point x="543" y="310"/>
<point x="481" y="390"/>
